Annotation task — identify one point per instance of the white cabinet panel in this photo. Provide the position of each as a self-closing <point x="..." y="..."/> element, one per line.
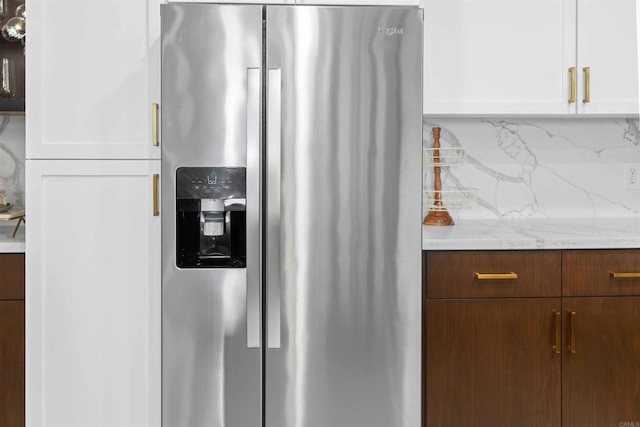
<point x="607" y="44"/>
<point x="498" y="56"/>
<point x="93" y="294"/>
<point x="93" y="74"/>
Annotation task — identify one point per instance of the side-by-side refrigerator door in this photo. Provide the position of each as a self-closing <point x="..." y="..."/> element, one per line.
<point x="210" y="187"/>
<point x="343" y="216"/>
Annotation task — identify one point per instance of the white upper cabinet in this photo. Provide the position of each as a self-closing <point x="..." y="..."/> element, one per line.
<point x="498" y="56"/>
<point x="93" y="73"/>
<point x="607" y="45"/>
<point x="516" y="56"/>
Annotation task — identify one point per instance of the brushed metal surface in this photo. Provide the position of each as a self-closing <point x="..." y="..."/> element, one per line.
<point x="351" y="217"/>
<point x="273" y="213"/>
<point x="253" y="232"/>
<point x="209" y="376"/>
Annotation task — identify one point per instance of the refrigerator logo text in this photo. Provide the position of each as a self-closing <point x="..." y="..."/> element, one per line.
<point x="390" y="31"/>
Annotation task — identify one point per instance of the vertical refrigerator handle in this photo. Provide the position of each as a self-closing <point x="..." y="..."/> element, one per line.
<point x="274" y="123"/>
<point x="254" y="266"/>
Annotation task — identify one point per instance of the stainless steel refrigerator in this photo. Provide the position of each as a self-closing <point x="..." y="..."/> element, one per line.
<point x="291" y="202"/>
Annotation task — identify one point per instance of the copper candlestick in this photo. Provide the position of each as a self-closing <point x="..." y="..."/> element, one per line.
<point x="438" y="214"/>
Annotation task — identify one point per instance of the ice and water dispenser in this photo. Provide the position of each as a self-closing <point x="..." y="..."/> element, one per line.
<point x="210" y="217"/>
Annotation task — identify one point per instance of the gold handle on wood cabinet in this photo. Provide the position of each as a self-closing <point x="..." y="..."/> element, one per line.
<point x="558" y="325"/>
<point x="154" y="114"/>
<point x="155" y="194"/>
<point x="616" y="275"/>
<point x="587" y="84"/>
<point x="496" y="276"/>
<point x="572" y="91"/>
<point x="572" y="332"/>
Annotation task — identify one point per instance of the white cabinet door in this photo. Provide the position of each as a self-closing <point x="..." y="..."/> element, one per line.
<point x="93" y="294"/>
<point x="607" y="44"/>
<point x="498" y="56"/>
<point x="93" y="72"/>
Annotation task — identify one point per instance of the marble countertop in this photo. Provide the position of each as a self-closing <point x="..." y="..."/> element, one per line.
<point x="559" y="233"/>
<point x="10" y="244"/>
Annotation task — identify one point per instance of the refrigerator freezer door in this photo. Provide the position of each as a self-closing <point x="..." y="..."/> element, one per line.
<point x="211" y="73"/>
<point x="350" y="218"/>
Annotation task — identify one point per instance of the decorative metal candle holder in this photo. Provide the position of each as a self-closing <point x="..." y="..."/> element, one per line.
<point x="439" y="201"/>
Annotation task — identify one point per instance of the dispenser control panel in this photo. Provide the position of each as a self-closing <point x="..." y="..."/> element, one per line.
<point x="211" y="183"/>
<point x="210" y="217"/>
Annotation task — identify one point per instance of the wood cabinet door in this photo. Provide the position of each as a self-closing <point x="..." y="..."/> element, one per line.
<point x="93" y="74"/>
<point x="498" y="56"/>
<point x="608" y="45"/>
<point x="12" y="276"/>
<point x="601" y="372"/>
<point x="492" y="362"/>
<point x="93" y="293"/>
<point x="12" y="363"/>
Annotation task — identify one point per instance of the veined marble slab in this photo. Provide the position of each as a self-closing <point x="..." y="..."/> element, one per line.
<point x="559" y="233"/>
<point x="540" y="168"/>
<point x="12" y="154"/>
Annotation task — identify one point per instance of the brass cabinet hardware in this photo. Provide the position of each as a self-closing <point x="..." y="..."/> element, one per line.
<point x="155" y="194"/>
<point x="496" y="276"/>
<point x="558" y="326"/>
<point x="572" y="332"/>
<point x="572" y="96"/>
<point x="587" y="84"/>
<point x="154" y="113"/>
<point x="616" y="275"/>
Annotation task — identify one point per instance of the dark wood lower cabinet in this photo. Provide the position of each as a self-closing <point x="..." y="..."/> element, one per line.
<point x="559" y="348"/>
<point x="12" y="363"/>
<point x="12" y="340"/>
<point x="601" y="379"/>
<point x="490" y="362"/>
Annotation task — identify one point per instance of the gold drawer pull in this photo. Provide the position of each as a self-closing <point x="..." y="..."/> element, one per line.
<point x="558" y="326"/>
<point x="156" y="212"/>
<point x="571" y="345"/>
<point x="496" y="276"/>
<point x="624" y="275"/>
<point x="572" y="90"/>
<point x="587" y="84"/>
<point x="154" y="126"/>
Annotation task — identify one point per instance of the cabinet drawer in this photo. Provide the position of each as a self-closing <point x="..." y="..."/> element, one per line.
<point x="484" y="274"/>
<point x="601" y="272"/>
<point x="11" y="276"/>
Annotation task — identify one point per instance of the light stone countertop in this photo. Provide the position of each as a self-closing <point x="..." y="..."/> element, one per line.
<point x="8" y="244"/>
<point x="559" y="233"/>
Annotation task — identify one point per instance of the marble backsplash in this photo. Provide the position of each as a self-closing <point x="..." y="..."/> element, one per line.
<point x="540" y="168"/>
<point x="12" y="155"/>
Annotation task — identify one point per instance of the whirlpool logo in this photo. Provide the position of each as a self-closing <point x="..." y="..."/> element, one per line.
<point x="390" y="31"/>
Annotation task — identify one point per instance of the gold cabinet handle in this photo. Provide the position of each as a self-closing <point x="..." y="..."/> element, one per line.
<point x="572" y="332"/>
<point x="496" y="276"/>
<point x="617" y="275"/>
<point x="155" y="194"/>
<point x="154" y="113"/>
<point x="558" y="326"/>
<point x="572" y="96"/>
<point x="587" y="84"/>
